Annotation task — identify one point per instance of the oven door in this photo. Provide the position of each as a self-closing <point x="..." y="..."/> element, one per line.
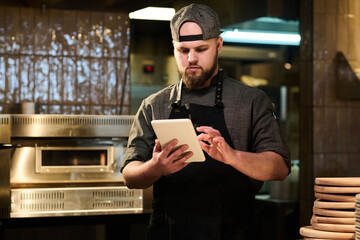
<point x="67" y="162"/>
<point x="74" y="159"/>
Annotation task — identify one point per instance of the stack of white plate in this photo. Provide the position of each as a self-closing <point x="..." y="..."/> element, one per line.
<point x="334" y="209"/>
<point x="357" y="214"/>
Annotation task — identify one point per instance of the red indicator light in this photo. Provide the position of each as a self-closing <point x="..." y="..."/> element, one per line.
<point x="148" y="69"/>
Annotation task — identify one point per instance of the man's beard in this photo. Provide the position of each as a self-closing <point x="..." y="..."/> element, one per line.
<point x="193" y="81"/>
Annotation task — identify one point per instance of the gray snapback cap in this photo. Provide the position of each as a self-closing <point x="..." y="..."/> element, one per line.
<point x="203" y="15"/>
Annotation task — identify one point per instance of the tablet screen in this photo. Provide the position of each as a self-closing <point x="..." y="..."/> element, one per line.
<point x="182" y="130"/>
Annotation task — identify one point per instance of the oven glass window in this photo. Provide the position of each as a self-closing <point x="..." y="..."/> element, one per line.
<point x="74" y="157"/>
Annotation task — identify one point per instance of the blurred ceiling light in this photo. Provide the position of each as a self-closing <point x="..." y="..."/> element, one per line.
<point x="261" y="37"/>
<point x="264" y="30"/>
<point x="153" y="13"/>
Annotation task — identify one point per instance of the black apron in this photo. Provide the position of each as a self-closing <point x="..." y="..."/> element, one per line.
<point x="205" y="200"/>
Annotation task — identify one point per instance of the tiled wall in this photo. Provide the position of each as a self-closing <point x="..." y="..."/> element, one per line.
<point x="336" y="121"/>
<point x="67" y="62"/>
<point x="329" y="125"/>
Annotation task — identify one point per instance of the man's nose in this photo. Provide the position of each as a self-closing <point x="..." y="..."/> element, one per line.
<point x="192" y="57"/>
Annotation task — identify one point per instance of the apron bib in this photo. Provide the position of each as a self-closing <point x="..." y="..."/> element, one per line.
<point x="205" y="200"/>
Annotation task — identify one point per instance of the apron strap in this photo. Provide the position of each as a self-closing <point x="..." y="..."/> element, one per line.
<point x="218" y="92"/>
<point x="177" y="102"/>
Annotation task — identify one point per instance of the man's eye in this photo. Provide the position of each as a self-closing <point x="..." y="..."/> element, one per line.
<point x="201" y="49"/>
<point x="184" y="50"/>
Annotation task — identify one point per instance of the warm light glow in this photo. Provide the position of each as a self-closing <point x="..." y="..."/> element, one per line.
<point x="287" y="66"/>
<point x="257" y="37"/>
<point x="153" y="13"/>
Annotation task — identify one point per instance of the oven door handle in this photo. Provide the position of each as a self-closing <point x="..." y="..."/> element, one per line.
<point x="9" y="145"/>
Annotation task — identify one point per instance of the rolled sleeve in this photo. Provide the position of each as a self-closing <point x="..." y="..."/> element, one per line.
<point x="266" y="133"/>
<point x="141" y="138"/>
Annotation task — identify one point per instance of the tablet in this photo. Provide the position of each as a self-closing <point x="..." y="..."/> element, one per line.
<point x="182" y="130"/>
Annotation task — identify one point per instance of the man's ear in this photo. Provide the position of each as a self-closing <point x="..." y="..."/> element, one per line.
<point x="219" y="44"/>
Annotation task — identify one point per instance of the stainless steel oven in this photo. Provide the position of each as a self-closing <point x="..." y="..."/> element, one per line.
<point x="66" y="165"/>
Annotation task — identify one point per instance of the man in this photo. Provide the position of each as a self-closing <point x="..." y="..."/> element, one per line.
<point x="238" y="130"/>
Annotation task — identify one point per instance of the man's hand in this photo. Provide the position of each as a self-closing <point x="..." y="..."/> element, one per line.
<point x="164" y="161"/>
<point x="169" y="159"/>
<point x="263" y="166"/>
<point x="218" y="148"/>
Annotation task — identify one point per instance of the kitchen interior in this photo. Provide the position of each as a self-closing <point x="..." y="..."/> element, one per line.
<point x="73" y="73"/>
